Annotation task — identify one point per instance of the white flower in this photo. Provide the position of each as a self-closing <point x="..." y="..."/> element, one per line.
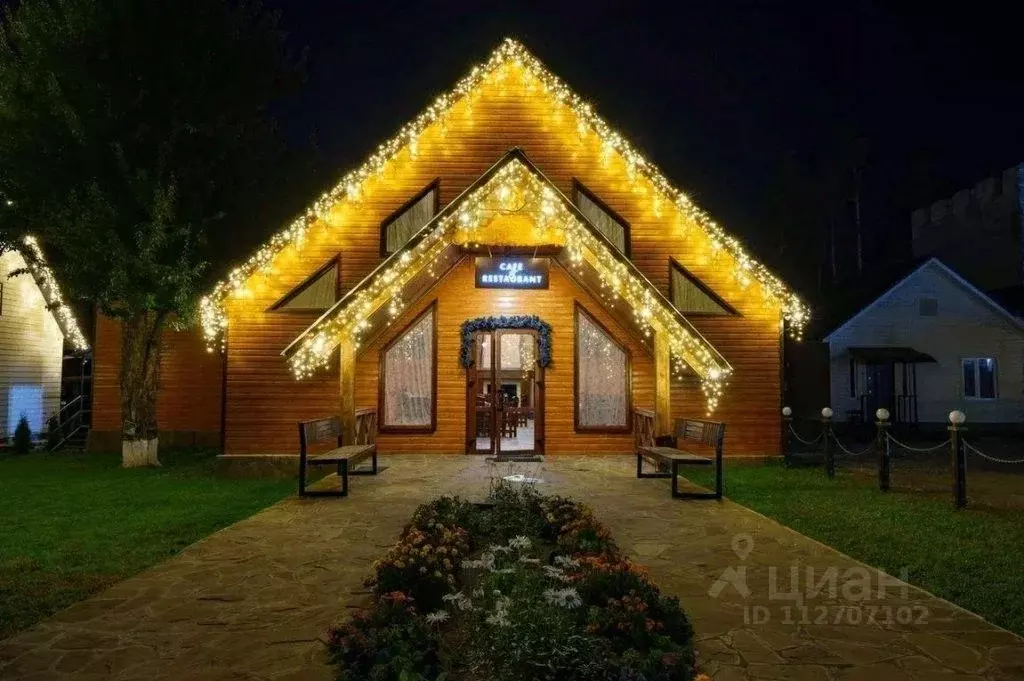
<point x="520" y="542"/>
<point x="566" y="561"/>
<point x="478" y="593"/>
<point x="498" y="619"/>
<point x="494" y="548"/>
<point x="564" y="598"/>
<point x="437" y="617"/>
<point x="528" y="560"/>
<point x="555" y="573"/>
<point x="459" y="599"/>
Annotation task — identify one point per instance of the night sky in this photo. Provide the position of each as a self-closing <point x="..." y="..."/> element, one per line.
<point x="742" y="106"/>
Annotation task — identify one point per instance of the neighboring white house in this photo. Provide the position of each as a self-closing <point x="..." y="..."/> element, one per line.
<point x="34" y="323"/>
<point x="930" y="344"/>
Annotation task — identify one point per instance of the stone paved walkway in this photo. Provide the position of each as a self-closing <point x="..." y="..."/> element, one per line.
<point x="250" y="602"/>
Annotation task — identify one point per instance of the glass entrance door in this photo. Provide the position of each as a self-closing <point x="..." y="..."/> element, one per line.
<point x="507" y="392"/>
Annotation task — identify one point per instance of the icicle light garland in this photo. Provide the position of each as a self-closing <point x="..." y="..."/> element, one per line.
<point x="212" y="306"/>
<point x="513" y="189"/>
<point x="47" y="283"/>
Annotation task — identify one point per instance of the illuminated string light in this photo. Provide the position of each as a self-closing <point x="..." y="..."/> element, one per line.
<point x="213" y="312"/>
<point x="553" y="221"/>
<point x="47" y="283"/>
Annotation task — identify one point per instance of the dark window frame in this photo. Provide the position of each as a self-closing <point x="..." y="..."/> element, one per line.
<point x="578" y="309"/>
<point x="976" y="360"/>
<point x="729" y="310"/>
<point x="579" y="188"/>
<point x="397" y="213"/>
<point x="383" y="427"/>
<point x="279" y="306"/>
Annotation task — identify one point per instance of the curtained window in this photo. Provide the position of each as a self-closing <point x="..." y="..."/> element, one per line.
<point x="408" y="376"/>
<point x="602" y="217"/>
<point x="602" y="378"/>
<point x="316" y="294"/>
<point x="690" y="296"/>
<point x="403" y="224"/>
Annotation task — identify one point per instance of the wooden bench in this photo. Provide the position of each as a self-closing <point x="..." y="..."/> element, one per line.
<point x="343" y="456"/>
<point x="668" y="459"/>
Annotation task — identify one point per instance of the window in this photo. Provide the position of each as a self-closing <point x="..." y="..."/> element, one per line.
<point x="408" y="378"/>
<point x="690" y="296"/>
<point x="27" y="401"/>
<point x="318" y="293"/>
<point x="602" y="378"/>
<point x="979" y="377"/>
<point x="927" y="307"/>
<point x="403" y="224"/>
<point x="602" y="217"/>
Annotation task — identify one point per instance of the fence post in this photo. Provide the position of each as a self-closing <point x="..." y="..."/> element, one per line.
<point x="882" y="445"/>
<point x="826" y="429"/>
<point x="787" y="425"/>
<point x="959" y="457"/>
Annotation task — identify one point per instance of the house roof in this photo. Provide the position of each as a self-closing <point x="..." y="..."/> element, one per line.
<point x="946" y="270"/>
<point x="214" y="316"/>
<point x="512" y="181"/>
<point x="36" y="266"/>
<point x="879" y="355"/>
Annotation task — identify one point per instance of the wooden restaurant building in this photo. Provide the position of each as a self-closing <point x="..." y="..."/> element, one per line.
<point x="506" y="274"/>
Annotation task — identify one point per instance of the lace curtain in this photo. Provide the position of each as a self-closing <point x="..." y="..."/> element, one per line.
<point x="408" y="376"/>
<point x="403" y="227"/>
<point x="601" y="379"/>
<point x="604" y="222"/>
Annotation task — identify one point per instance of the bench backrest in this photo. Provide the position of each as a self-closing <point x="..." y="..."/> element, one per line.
<point x="710" y="433"/>
<point x="318" y="431"/>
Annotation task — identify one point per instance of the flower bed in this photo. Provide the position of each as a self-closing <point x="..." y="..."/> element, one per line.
<point x="526" y="587"/>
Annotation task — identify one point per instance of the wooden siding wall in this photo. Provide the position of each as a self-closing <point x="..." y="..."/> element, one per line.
<point x="263" y="400"/>
<point x="458" y="299"/>
<point x="189" y="401"/>
<point x="31" y="344"/>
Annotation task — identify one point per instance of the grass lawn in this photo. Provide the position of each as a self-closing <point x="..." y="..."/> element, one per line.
<point x="974" y="558"/>
<point x="73" y="524"/>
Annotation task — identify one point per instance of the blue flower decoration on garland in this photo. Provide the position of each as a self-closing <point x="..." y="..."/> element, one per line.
<point x="517" y="321"/>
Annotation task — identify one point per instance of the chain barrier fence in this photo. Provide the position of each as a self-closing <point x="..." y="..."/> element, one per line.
<point x="921" y="467"/>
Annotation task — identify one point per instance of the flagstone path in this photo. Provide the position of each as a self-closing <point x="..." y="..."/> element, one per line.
<point x="252" y="601"/>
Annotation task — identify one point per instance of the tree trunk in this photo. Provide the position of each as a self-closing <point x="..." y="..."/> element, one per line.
<point x="140" y="378"/>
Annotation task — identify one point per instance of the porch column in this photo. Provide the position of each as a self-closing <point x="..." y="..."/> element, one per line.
<point x="347" y="405"/>
<point x="662" y="386"/>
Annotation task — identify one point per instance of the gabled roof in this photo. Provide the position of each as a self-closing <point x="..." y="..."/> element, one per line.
<point x="516" y="186"/>
<point x="948" y="272"/>
<point x="35" y="265"/>
<point x="213" y="314"/>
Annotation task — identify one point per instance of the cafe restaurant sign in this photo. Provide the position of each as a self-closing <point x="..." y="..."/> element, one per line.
<point x="512" y="272"/>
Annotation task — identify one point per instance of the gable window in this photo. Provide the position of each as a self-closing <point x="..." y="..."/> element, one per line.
<point x="979" y="375"/>
<point x="401" y="225"/>
<point x="607" y="221"/>
<point x="407" y="392"/>
<point x="690" y="296"/>
<point x="602" y="378"/>
<point x="928" y="307"/>
<point x="317" y="293"/>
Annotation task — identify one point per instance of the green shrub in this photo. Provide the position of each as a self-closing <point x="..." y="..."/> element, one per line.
<point x="22" y="437"/>
<point x="387" y="642"/>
